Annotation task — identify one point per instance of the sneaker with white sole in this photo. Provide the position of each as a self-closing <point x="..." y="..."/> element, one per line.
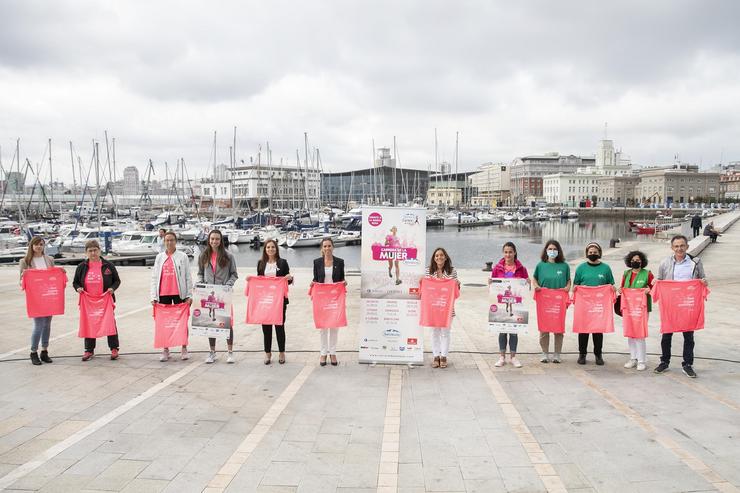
<point x="556" y="358"/>
<point x="184" y="354"/>
<point x="211" y="357"/>
<point x="501" y="362"/>
<point x="641" y="367"/>
<point x="515" y="361"/>
<point x="631" y="364"/>
<point x="230" y="357"/>
<point x="165" y="355"/>
<point x="544" y="358"/>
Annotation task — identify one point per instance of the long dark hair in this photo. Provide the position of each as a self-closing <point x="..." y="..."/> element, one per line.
<point x="513" y="247"/>
<point x="29" y="252"/>
<point x="446" y="268"/>
<point x="222" y="258"/>
<point x="265" y="257"/>
<point x="560" y="258"/>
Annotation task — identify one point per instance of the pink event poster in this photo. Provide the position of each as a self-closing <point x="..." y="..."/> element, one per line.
<point x="508" y="310"/>
<point x="211" y="311"/>
<point x="393" y="252"/>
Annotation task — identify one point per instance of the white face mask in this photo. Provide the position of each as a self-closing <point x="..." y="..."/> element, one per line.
<point x="552" y="253"/>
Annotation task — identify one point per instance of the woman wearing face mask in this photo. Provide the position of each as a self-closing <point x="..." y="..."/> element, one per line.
<point x="271" y="265"/>
<point x="593" y="272"/>
<point x="328" y="269"/>
<point x="441" y="268"/>
<point x="637" y="276"/>
<point x="552" y="272"/>
<point x="36" y="259"/>
<point x="217" y="266"/>
<point x="509" y="267"/>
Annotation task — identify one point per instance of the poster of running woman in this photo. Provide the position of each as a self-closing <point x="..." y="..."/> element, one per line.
<point x="211" y="311"/>
<point x="508" y="310"/>
<point x="392" y="264"/>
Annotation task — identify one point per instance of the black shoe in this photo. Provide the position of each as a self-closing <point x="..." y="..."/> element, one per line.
<point x="600" y="361"/>
<point x="688" y="371"/>
<point x="35" y="358"/>
<point x="45" y="356"/>
<point x="661" y="368"/>
<point x="582" y="359"/>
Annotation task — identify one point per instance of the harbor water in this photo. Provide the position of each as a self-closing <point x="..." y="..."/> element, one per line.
<point x="473" y="247"/>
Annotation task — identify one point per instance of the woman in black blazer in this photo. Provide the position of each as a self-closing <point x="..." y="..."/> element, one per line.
<point x="321" y="268"/>
<point x="271" y="265"/>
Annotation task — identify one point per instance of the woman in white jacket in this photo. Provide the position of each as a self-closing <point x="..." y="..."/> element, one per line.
<point x="171" y="282"/>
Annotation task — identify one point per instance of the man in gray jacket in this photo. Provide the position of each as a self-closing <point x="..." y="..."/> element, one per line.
<point x="679" y="267"/>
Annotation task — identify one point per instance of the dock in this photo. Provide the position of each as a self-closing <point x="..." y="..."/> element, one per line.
<point x="138" y="424"/>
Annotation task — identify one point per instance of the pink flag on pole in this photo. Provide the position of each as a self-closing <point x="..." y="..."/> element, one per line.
<point x="634" y="312"/>
<point x="171" y="325"/>
<point x="681" y="305"/>
<point x="96" y="315"/>
<point x="551" y="307"/>
<point x="265" y="298"/>
<point x="329" y="305"/>
<point x="437" y="301"/>
<point x="594" y="309"/>
<point x="44" y="291"/>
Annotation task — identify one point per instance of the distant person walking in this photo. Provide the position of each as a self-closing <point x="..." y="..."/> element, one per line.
<point x="696" y="224"/>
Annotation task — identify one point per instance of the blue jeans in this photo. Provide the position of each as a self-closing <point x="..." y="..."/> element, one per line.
<point x="41" y="331"/>
<point x="513" y="340"/>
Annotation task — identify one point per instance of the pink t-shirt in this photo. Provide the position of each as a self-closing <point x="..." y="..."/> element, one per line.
<point x="94" y="278"/>
<point x="214" y="256"/>
<point x="594" y="309"/>
<point x="681" y="305"/>
<point x="393" y="241"/>
<point x="265" y="297"/>
<point x="168" y="280"/>
<point x="437" y="301"/>
<point x="551" y="307"/>
<point x="634" y="313"/>
<point x="171" y="325"/>
<point x="96" y="315"/>
<point x="44" y="290"/>
<point x="329" y="305"/>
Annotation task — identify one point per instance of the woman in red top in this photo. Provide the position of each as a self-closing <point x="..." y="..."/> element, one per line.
<point x="508" y="267"/>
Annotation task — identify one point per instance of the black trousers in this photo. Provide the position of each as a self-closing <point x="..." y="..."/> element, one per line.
<point x="112" y="342"/>
<point x="688" y="348"/>
<point x="697" y="231"/>
<point x="583" y="343"/>
<point x="279" y="333"/>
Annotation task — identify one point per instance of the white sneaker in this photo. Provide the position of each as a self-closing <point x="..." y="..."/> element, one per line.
<point x="641" y="367"/>
<point x="515" y="362"/>
<point x="184" y="354"/>
<point x="631" y="363"/>
<point x="165" y="355"/>
<point x="211" y="357"/>
<point x="544" y="358"/>
<point x="501" y="362"/>
<point x="556" y="358"/>
<point x="230" y="357"/>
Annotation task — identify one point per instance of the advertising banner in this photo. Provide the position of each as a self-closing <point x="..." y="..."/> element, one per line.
<point x="392" y="263"/>
<point x="507" y="311"/>
<point x="211" y="311"/>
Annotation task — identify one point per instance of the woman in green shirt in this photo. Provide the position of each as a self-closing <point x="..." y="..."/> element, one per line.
<point x="553" y="272"/>
<point x="593" y="272"/>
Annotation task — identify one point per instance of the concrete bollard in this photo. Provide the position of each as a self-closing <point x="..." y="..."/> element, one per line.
<point x="613" y="242"/>
<point x="488" y="267"/>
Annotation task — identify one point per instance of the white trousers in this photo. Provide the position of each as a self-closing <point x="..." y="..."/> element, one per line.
<point x="638" y="350"/>
<point x="440" y="342"/>
<point x="329" y="341"/>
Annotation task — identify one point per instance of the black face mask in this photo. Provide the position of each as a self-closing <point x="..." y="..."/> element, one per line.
<point x="593" y="257"/>
<point x="635" y="264"/>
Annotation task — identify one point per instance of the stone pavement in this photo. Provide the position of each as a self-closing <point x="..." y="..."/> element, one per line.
<point x="138" y="425"/>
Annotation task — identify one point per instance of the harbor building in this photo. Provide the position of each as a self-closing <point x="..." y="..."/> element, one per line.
<point x="679" y="183"/>
<point x="450" y="189"/>
<point x="493" y="184"/>
<point x="617" y="191"/>
<point x="527" y="173"/>
<point x="131" y="183"/>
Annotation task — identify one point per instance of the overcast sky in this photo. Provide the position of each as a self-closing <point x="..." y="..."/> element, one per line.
<point x="514" y="78"/>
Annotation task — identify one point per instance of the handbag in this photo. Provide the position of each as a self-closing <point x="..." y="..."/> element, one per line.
<point x="618" y="305"/>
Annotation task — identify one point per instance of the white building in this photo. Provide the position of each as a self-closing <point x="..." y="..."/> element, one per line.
<point x="610" y="162"/>
<point x="570" y="189"/>
<point x="260" y="186"/>
<point x="493" y="184"/>
<point x="131" y="183"/>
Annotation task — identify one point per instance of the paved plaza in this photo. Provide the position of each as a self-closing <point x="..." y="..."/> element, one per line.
<point x="138" y="425"/>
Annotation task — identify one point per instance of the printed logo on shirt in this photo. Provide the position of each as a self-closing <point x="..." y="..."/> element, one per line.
<point x="107" y="272"/>
<point x="601" y="276"/>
